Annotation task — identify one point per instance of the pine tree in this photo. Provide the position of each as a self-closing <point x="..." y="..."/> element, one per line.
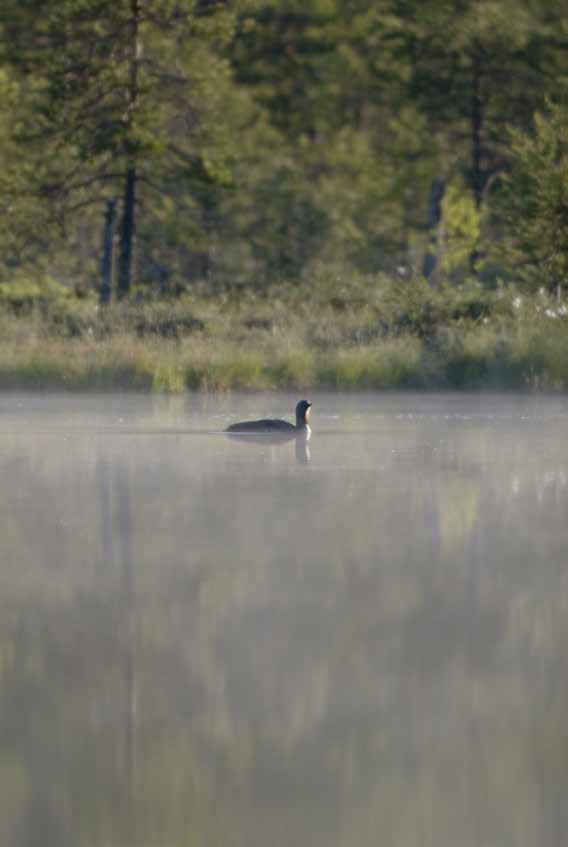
<point x="536" y="247"/>
<point x="479" y="67"/>
<point x="123" y="97"/>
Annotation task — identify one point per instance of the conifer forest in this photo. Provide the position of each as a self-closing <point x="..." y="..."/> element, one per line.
<point x="304" y="178"/>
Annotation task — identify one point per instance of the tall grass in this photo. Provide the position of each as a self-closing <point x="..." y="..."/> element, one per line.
<point x="390" y="335"/>
<point x="384" y="363"/>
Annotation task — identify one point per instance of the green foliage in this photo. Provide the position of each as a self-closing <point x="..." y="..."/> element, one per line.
<point x="538" y="200"/>
<point x="461" y="230"/>
<point x="269" y="140"/>
<point x="108" y="91"/>
<point x="412" y="306"/>
<point x="23" y="293"/>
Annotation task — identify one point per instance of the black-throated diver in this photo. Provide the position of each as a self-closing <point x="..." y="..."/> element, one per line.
<point x="269" y="425"/>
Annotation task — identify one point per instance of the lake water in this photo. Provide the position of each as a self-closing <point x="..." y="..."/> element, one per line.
<point x="212" y="641"/>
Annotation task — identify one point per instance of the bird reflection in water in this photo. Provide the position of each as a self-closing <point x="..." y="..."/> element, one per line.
<point x="301" y="439"/>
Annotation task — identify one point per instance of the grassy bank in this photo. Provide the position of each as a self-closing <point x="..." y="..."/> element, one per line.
<point x="378" y="335"/>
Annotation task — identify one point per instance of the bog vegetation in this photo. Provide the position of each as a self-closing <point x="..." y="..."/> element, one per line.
<point x="208" y="194"/>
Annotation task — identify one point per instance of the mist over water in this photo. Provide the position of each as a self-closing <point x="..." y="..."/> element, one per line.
<point x="208" y="640"/>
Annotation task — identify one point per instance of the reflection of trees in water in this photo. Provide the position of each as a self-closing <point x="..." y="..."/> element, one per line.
<point x="382" y="672"/>
<point x="277" y="640"/>
<point x="78" y="763"/>
<point x="548" y="748"/>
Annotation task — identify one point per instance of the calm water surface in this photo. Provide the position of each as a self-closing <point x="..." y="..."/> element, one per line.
<point x="214" y="641"/>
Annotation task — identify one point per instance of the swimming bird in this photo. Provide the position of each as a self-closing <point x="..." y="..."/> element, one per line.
<point x="269" y="425"/>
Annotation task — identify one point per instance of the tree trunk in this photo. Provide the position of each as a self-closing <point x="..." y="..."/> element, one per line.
<point x="433" y="253"/>
<point x="128" y="233"/>
<point x="108" y="244"/>
<point x="476" y="129"/>
<point x="477" y="177"/>
<point x="128" y="229"/>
